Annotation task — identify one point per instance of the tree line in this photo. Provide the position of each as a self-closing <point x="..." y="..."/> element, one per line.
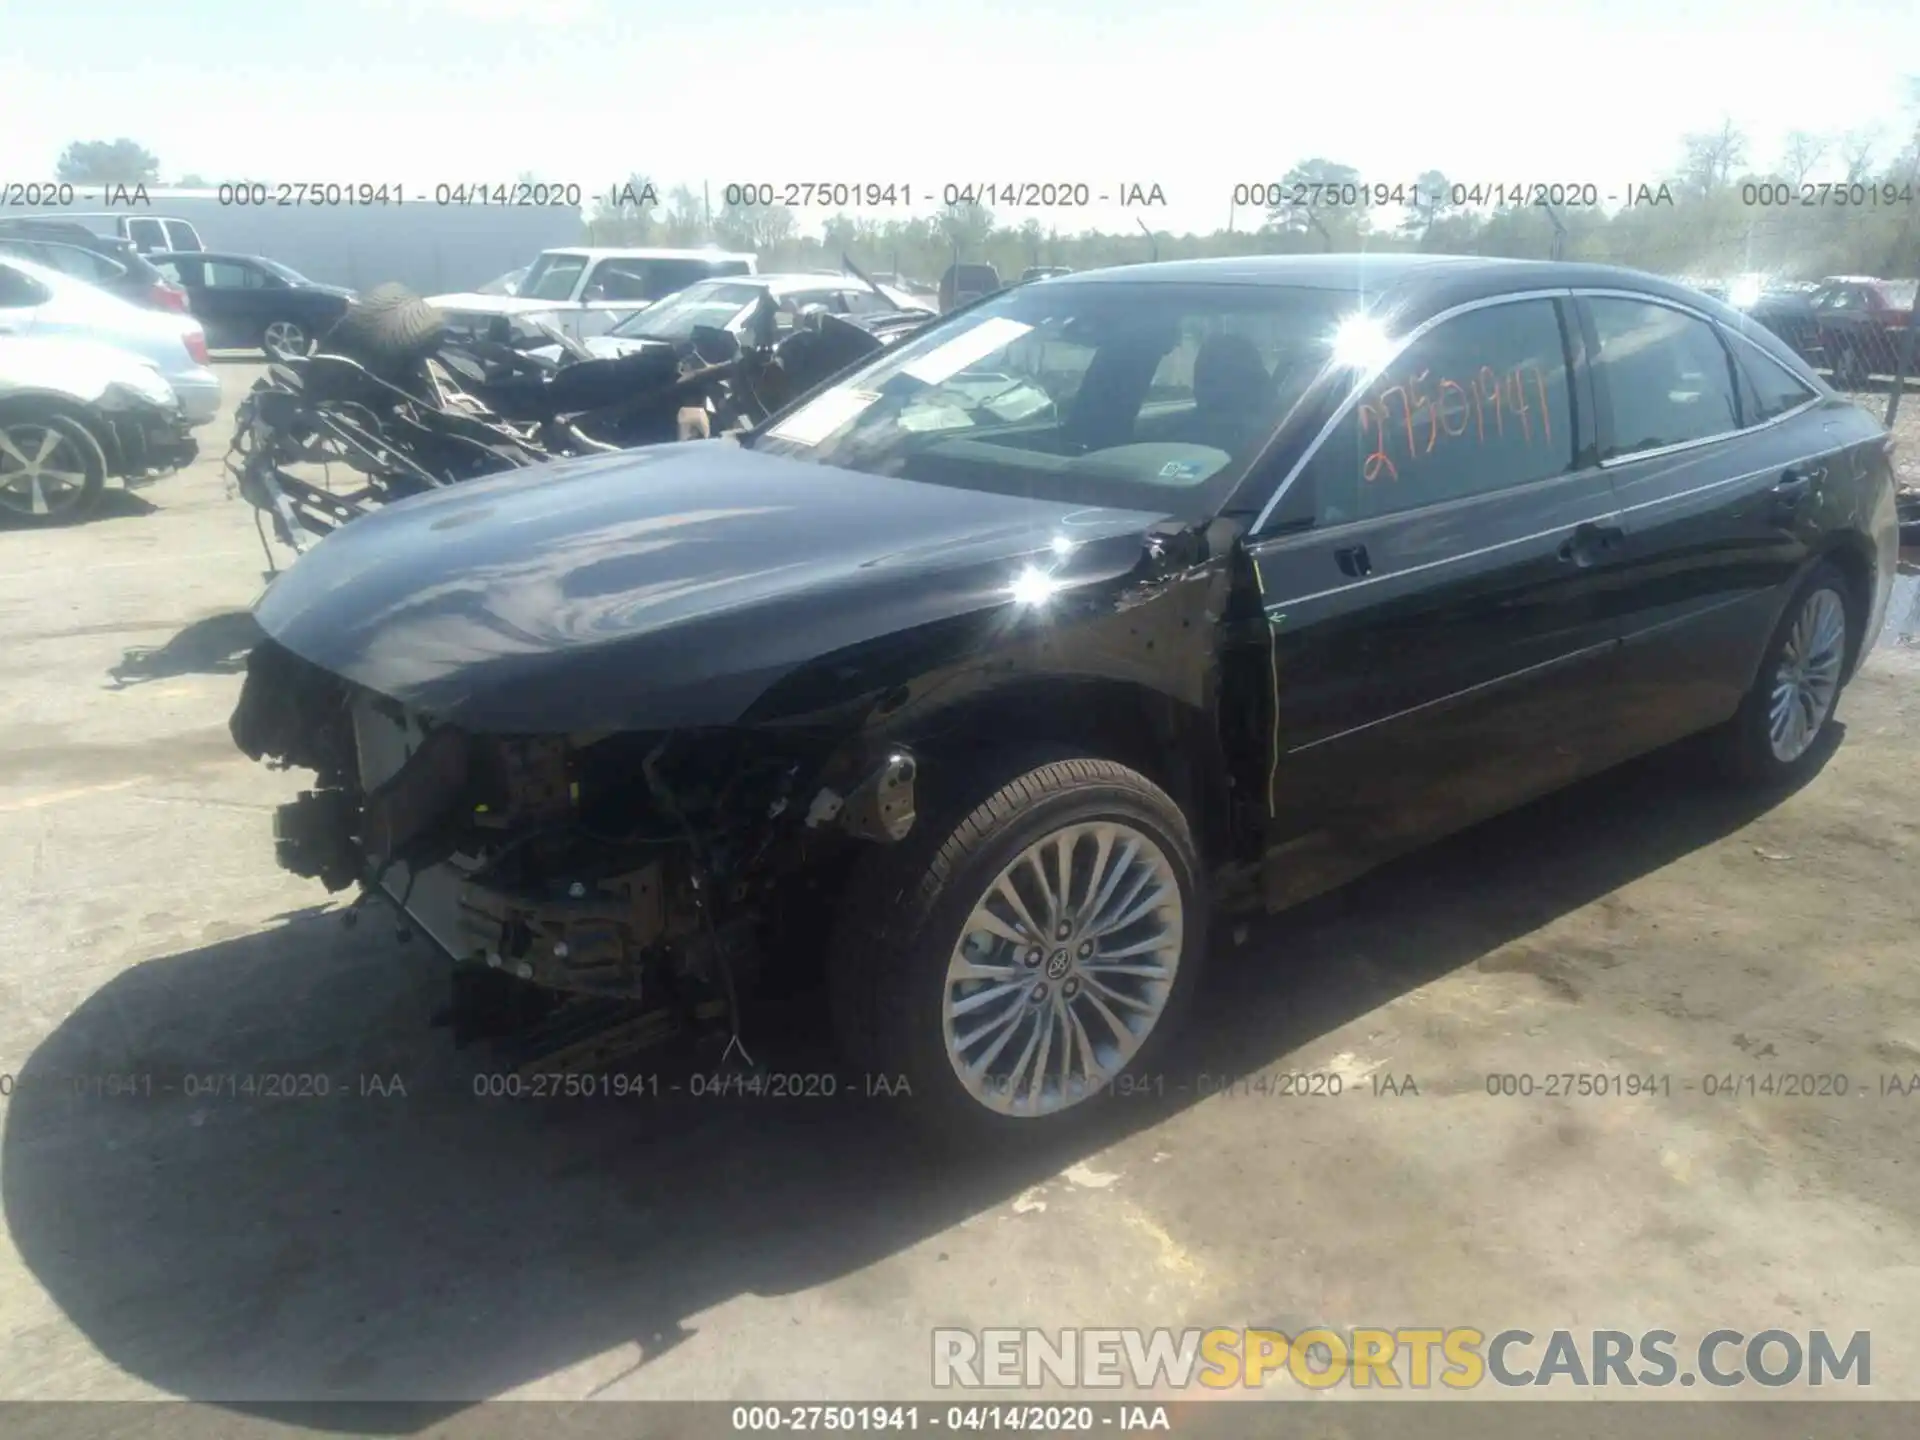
<point x="1711" y="215"/>
<point x="1714" y="213"/>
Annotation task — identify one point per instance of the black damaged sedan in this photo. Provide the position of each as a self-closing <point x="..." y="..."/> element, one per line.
<point x="1098" y="609"/>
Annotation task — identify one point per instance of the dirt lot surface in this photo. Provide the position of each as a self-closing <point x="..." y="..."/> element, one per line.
<point x="401" y="1238"/>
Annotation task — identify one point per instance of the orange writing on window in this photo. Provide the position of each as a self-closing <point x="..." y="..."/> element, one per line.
<point x="1443" y="408"/>
<point x="1377" y="459"/>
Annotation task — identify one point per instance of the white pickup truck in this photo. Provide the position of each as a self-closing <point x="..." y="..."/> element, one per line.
<point x="584" y="291"/>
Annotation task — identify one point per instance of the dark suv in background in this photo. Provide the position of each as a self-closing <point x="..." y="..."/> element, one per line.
<point x="112" y="264"/>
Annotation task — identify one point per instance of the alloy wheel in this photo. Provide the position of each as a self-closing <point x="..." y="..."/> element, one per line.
<point x="286" y="340"/>
<point x="1807" y="678"/>
<point x="1063" y="968"/>
<point x="43" y="472"/>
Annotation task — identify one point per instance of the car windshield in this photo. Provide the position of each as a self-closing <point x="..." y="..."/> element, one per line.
<point x="1146" y="395"/>
<point x="1900" y="293"/>
<point x="711" y="302"/>
<point x="285" y="272"/>
<point x="552" y="277"/>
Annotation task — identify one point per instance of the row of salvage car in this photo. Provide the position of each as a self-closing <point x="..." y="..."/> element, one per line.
<point x="402" y="397"/>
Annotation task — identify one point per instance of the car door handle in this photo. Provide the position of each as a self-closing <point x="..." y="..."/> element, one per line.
<point x="1354" y="561"/>
<point x="1590" y="542"/>
<point x="1796" y="480"/>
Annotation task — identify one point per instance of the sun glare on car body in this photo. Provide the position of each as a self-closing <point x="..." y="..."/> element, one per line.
<point x="1033" y="587"/>
<point x="1362" y="344"/>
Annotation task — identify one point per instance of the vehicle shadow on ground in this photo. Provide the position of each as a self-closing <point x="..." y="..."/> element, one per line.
<point x="212" y="645"/>
<point x="114" y="504"/>
<point x="120" y="503"/>
<point x="435" y="1246"/>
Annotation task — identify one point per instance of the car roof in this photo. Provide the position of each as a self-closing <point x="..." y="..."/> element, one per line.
<point x="112" y="215"/>
<point x="1414" y="284"/>
<point x="796" y="281"/>
<point x="208" y="255"/>
<point x="599" y="252"/>
<point x="51" y="227"/>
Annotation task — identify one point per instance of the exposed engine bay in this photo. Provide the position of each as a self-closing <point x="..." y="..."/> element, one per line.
<point x="642" y="867"/>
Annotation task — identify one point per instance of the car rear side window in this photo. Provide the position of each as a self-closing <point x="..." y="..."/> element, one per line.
<point x="1480" y="403"/>
<point x="223" y="275"/>
<point x="1767" y="389"/>
<point x="1662" y="374"/>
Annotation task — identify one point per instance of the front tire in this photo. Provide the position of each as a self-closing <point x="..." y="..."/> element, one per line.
<point x="52" y="469"/>
<point x="1015" y="959"/>
<point x="1774" y="739"/>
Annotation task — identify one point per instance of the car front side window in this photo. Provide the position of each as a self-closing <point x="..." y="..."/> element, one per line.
<point x="1480" y="403"/>
<point x="19" y="291"/>
<point x="619" y="280"/>
<point x="1664" y="376"/>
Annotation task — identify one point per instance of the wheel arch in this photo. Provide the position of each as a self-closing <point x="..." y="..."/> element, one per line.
<point x="1173" y="744"/>
<point x="1852" y="555"/>
<point x="89" y="417"/>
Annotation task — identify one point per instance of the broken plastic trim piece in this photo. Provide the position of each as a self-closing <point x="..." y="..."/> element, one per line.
<point x="882" y="808"/>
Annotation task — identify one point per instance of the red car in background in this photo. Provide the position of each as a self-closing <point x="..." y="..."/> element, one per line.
<point x="1849" y="324"/>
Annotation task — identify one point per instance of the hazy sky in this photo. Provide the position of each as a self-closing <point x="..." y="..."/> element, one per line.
<point x="1194" y="96"/>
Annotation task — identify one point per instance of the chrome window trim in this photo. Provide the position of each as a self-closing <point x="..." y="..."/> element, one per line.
<point x="1612" y="513"/>
<point x="1515" y="297"/>
<point x="1400" y="346"/>
<point x="1718" y="328"/>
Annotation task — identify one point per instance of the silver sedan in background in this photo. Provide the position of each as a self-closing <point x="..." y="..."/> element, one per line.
<point x="39" y="302"/>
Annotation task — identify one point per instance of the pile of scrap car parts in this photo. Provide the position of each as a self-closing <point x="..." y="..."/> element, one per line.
<point x="409" y="405"/>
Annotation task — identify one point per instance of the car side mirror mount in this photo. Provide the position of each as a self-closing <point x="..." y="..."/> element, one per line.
<point x="714" y="346"/>
<point x="764" y="325"/>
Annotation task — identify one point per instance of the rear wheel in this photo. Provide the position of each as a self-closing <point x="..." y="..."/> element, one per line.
<point x="1015" y="960"/>
<point x="286" y="340"/>
<point x="52" y="470"/>
<point x="1774" y="738"/>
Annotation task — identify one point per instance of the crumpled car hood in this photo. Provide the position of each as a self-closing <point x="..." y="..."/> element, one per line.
<point x="658" y="588"/>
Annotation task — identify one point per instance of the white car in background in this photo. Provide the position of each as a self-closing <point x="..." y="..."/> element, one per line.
<point x="39" y="303"/>
<point x="730" y="303"/>
<point x="74" y="413"/>
<point x="584" y="290"/>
